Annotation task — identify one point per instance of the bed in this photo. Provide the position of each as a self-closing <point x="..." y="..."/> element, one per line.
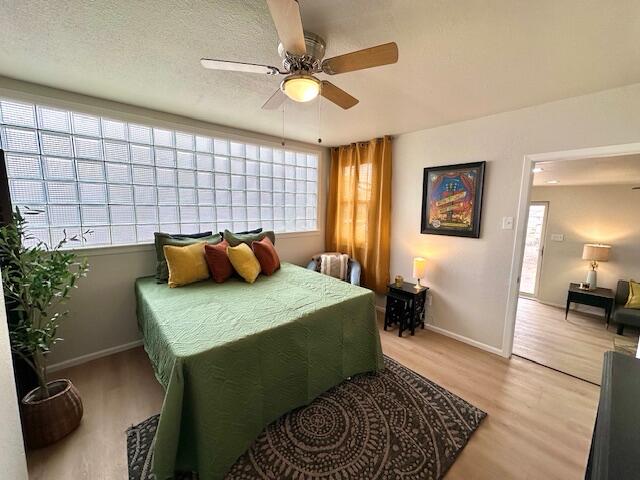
<point x="233" y="357"/>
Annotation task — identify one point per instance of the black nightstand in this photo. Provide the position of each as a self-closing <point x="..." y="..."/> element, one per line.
<point x="600" y="297"/>
<point x="406" y="307"/>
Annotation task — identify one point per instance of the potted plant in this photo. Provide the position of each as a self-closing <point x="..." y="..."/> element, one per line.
<point x="36" y="279"/>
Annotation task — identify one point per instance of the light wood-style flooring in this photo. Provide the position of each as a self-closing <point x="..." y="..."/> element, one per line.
<point x="539" y="424"/>
<point x="575" y="346"/>
<point x="117" y="391"/>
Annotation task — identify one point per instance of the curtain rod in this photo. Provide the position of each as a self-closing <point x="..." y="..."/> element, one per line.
<point x="364" y="142"/>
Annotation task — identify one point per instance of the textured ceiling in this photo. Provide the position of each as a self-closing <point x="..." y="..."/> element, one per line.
<point x="458" y="59"/>
<point x="621" y="170"/>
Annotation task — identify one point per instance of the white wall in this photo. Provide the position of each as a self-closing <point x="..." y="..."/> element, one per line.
<point x="469" y="277"/>
<point x="102" y="310"/>
<point x="12" y="458"/>
<point x="588" y="214"/>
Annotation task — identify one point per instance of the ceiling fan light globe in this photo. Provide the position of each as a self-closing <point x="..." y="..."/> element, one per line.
<point x="302" y="88"/>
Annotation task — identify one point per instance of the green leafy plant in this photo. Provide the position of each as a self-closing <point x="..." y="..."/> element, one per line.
<point x="36" y="280"/>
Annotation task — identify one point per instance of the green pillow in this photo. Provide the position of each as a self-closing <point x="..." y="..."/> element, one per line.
<point x="257" y="230"/>
<point x="235" y="239"/>
<point x="162" y="239"/>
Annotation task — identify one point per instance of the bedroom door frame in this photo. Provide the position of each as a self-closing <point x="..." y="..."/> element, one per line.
<point x="522" y="219"/>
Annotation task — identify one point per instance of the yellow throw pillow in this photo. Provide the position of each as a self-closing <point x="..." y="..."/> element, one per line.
<point x="634" y="295"/>
<point x="186" y="264"/>
<point x="244" y="261"/>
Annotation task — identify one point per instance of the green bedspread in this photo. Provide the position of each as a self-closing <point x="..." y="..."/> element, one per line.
<point x="233" y="357"/>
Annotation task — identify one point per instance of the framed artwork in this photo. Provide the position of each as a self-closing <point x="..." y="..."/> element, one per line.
<point x="452" y="199"/>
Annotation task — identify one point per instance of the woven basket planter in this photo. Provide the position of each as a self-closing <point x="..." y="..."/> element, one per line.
<point x="46" y="421"/>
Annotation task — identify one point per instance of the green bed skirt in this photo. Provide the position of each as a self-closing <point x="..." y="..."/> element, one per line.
<point x="234" y="357"/>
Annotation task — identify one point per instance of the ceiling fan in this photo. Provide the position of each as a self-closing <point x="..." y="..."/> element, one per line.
<point x="302" y="57"/>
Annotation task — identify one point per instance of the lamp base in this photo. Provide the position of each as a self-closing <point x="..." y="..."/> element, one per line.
<point x="592" y="279"/>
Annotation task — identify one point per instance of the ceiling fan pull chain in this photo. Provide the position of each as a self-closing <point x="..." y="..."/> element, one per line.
<point x="282" y="140"/>
<point x="319" y="123"/>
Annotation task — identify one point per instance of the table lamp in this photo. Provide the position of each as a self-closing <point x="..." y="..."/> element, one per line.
<point x="594" y="252"/>
<point x="419" y="270"/>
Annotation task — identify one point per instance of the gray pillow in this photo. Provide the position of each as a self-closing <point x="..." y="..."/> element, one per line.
<point x="162" y="239"/>
<point x="235" y="239"/>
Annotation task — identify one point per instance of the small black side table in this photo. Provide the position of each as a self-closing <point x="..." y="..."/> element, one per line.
<point x="600" y="297"/>
<point x="406" y="306"/>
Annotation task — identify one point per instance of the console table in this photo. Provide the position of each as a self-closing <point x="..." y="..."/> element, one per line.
<point x="406" y="306"/>
<point x="615" y="444"/>
<point x="600" y="297"/>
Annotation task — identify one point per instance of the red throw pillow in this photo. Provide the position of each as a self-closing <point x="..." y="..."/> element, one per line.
<point x="266" y="254"/>
<point x="218" y="261"/>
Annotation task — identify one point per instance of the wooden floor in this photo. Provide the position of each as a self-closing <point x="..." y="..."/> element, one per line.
<point x="575" y="346"/>
<point x="539" y="424"/>
<point x="117" y="392"/>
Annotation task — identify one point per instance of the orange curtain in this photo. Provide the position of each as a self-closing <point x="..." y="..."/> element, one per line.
<point x="359" y="207"/>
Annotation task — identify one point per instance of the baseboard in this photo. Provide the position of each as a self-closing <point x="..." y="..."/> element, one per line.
<point x="550" y="304"/>
<point x="463" y="339"/>
<point x="579" y="308"/>
<point x="93" y="356"/>
<point x="128" y="346"/>
<point x="458" y="337"/>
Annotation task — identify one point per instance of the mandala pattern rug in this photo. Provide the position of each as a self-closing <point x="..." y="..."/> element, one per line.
<point x="388" y="425"/>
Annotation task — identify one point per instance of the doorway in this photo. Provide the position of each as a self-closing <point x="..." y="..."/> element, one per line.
<point x="569" y="200"/>
<point x="533" y="249"/>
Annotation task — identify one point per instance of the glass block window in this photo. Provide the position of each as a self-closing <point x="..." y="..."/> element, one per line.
<point x="123" y="181"/>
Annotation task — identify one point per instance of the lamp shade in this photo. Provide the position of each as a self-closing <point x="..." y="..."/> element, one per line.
<point x="419" y="267"/>
<point x="301" y="88"/>
<point x="596" y="252"/>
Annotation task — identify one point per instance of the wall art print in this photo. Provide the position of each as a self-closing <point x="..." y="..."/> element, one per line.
<point x="452" y="199"/>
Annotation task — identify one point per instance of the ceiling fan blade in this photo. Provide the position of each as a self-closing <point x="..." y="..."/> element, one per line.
<point x="286" y="17"/>
<point x="275" y="100"/>
<point x="238" y="66"/>
<point x="337" y="95"/>
<point x="367" y="58"/>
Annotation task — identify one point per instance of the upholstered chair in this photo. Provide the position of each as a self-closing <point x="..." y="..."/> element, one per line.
<point x="353" y="268"/>
<point x="624" y="316"/>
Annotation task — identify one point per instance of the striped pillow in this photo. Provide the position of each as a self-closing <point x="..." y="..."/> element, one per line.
<point x="334" y="265"/>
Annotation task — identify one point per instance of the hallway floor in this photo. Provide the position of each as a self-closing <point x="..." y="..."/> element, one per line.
<point x="575" y="346"/>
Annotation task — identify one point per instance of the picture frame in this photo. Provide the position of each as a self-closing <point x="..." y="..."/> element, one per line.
<point x="452" y="199"/>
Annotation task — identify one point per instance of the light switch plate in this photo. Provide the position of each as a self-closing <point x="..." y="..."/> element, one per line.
<point x="507" y="223"/>
<point x="557" y="237"/>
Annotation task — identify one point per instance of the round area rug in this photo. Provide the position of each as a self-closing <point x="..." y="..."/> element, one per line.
<point x="388" y="425"/>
